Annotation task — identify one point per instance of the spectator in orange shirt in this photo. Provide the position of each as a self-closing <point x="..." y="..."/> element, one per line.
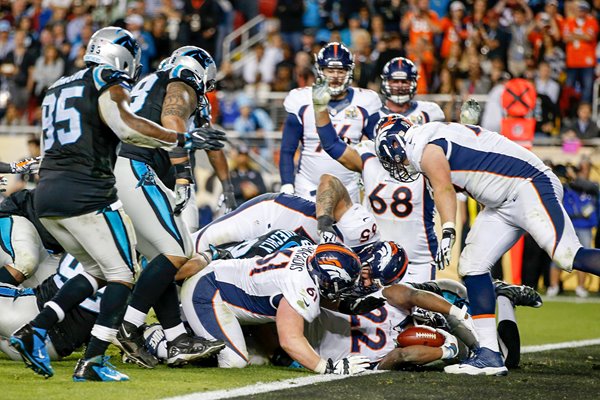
<point x="420" y="23"/>
<point x="454" y="28"/>
<point x="580" y="33"/>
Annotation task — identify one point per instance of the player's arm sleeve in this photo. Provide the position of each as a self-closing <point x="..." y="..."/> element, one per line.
<point x="338" y="149"/>
<point x="292" y="134"/>
<point x="113" y="105"/>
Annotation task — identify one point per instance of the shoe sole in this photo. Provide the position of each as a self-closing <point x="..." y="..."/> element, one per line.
<point x="489" y="371"/>
<point x="29" y="361"/>
<point x="132" y="357"/>
<point x="183" y="359"/>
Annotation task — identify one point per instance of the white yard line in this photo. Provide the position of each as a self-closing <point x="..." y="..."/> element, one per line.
<point x="261" y="387"/>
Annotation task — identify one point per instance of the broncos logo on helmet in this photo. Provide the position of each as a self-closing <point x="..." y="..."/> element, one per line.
<point x="390" y="146"/>
<point x="399" y="80"/>
<point x="336" y="56"/>
<point x="335" y="268"/>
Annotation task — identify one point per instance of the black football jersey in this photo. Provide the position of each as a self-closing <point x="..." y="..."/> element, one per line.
<point x="269" y="243"/>
<point x="147" y="98"/>
<point x="76" y="174"/>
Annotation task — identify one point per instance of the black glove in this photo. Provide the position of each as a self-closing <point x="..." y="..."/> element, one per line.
<point x="219" y="254"/>
<point x="325" y="229"/>
<point x="360" y="305"/>
<point x="228" y="198"/>
<point x="203" y="139"/>
<point x="444" y="253"/>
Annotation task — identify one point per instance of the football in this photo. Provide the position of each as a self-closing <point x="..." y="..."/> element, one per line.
<point x="420" y="336"/>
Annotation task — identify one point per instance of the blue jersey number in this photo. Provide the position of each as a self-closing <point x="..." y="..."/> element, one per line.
<point x="55" y="111"/>
<point x="378" y="316"/>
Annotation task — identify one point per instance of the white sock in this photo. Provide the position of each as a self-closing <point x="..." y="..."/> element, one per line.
<point x="506" y="310"/>
<point x="172" y="333"/>
<point x="134" y="316"/>
<point x="486" y="328"/>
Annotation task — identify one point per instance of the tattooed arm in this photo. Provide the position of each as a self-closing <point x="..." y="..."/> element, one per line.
<point x="179" y="103"/>
<point x="114" y="110"/>
<point x="333" y="199"/>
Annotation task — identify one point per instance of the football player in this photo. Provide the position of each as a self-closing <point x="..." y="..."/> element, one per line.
<point x="25" y="244"/>
<point x="76" y="199"/>
<point x="145" y="180"/>
<point x="285" y="287"/>
<point x="520" y="194"/>
<point x="353" y="112"/>
<point x="404" y="210"/>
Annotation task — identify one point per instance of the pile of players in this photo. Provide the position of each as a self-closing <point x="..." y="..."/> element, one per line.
<point x="303" y="259"/>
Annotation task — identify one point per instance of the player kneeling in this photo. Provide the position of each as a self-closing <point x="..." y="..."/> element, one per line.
<point x="286" y="287"/>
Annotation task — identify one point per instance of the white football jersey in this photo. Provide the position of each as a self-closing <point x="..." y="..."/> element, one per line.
<point x="336" y="336"/>
<point x="420" y="112"/>
<point x="258" y="216"/>
<point x="349" y="118"/>
<point x="68" y="268"/>
<point x="485" y="164"/>
<point x="404" y="211"/>
<point x="254" y="287"/>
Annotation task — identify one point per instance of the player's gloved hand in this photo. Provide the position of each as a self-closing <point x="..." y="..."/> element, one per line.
<point x="219" y="254"/>
<point x="325" y="229"/>
<point x="444" y="253"/>
<point x="320" y="95"/>
<point x="287" y="188"/>
<point x="183" y="193"/>
<point x="25" y="166"/>
<point x="464" y="319"/>
<point x="348" y="366"/>
<point x="450" y="346"/>
<point x="351" y="305"/>
<point x="3" y="183"/>
<point x="228" y="200"/>
<point x="206" y="138"/>
<point x="470" y="112"/>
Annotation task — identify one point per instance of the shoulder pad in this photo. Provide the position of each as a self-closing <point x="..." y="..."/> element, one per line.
<point x="105" y="77"/>
<point x="183" y="74"/>
<point x="369" y="100"/>
<point x="296" y="99"/>
<point x="434" y="111"/>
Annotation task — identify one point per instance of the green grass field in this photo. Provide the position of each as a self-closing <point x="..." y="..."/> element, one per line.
<point x="539" y="377"/>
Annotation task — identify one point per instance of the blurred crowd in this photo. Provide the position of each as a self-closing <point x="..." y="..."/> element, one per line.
<point x="461" y="47"/>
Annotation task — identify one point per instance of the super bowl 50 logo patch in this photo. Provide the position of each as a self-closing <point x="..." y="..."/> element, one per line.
<point x="352" y="113"/>
<point x="417" y="119"/>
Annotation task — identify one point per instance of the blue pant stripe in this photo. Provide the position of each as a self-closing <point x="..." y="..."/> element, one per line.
<point x="119" y="233"/>
<point x="6" y="227"/>
<point x="553" y="207"/>
<point x="157" y="199"/>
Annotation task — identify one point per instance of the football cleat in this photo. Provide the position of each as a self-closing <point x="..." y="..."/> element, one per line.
<point x="30" y="342"/>
<point x="97" y="369"/>
<point x="186" y="348"/>
<point x="130" y="339"/>
<point x="519" y="295"/>
<point x="483" y="361"/>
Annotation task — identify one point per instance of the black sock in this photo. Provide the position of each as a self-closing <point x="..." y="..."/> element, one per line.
<point x="153" y="282"/>
<point x="112" y="310"/>
<point x="74" y="291"/>
<point x="6" y="277"/>
<point x="167" y="308"/>
<point x="510" y="343"/>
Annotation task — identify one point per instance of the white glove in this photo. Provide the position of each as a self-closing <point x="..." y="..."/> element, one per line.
<point x="3" y="182"/>
<point x="450" y="346"/>
<point x="464" y="319"/>
<point x="288" y="188"/>
<point x="444" y="252"/>
<point x="25" y="166"/>
<point x="183" y="193"/>
<point x="470" y="112"/>
<point x="348" y="366"/>
<point x="320" y="95"/>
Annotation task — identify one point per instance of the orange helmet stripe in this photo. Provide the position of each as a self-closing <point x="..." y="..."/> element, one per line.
<point x="334" y="247"/>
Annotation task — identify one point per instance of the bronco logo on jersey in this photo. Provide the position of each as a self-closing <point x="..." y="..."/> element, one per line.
<point x="352" y="113"/>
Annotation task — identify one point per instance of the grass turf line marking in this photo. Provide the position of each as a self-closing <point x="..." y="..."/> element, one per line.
<point x="562" y="345"/>
<point x="260" y="387"/>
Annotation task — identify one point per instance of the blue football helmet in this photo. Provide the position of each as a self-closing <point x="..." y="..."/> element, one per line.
<point x="399" y="69"/>
<point x="390" y="146"/>
<point x="335" y="268"/>
<point x="336" y="56"/>
<point x="388" y="262"/>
